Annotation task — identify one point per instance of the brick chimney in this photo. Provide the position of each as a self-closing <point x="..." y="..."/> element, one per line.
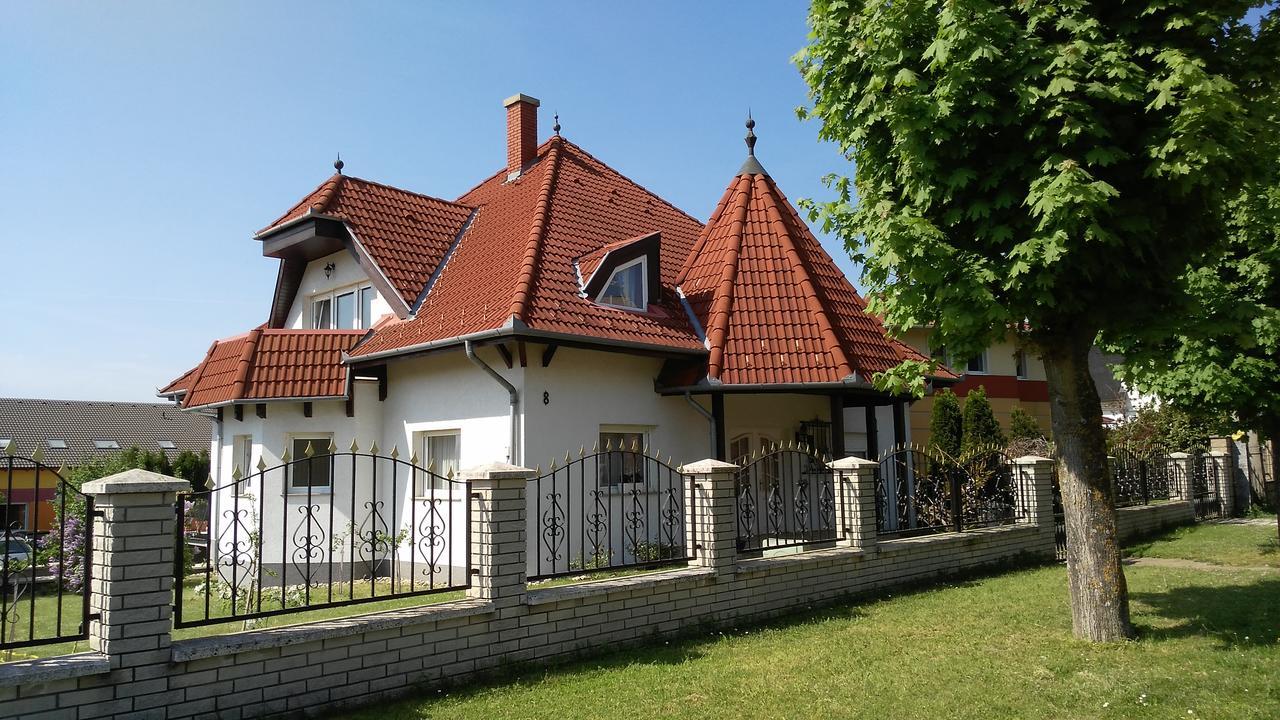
<point x="522" y="133"/>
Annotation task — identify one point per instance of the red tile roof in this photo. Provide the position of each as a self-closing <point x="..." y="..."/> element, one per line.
<point x="515" y="261"/>
<point x="267" y="364"/>
<point x="406" y="234"/>
<point x="178" y="385"/>
<point x="776" y="308"/>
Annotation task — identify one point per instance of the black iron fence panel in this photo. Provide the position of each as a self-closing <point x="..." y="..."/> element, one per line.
<point x="326" y="529"/>
<point x="606" y="510"/>
<point x="1204" y="483"/>
<point x="786" y="497"/>
<point x="923" y="491"/>
<point x="914" y="490"/>
<point x="46" y="568"/>
<point x="1140" y="479"/>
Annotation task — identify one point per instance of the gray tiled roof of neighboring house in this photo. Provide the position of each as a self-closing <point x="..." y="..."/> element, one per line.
<point x="83" y="426"/>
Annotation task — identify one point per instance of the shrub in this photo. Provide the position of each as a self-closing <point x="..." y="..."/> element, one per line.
<point x="980" y="427"/>
<point x="1022" y="426"/>
<point x="945" y="426"/>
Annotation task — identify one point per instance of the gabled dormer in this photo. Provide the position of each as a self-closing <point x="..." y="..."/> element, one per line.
<point x="353" y="250"/>
<point x="624" y="274"/>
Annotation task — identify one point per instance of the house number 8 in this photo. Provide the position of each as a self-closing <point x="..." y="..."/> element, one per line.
<point x="546" y="398"/>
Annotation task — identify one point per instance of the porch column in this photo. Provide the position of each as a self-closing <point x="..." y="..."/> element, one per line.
<point x="899" y="423"/>
<point x="711" y="528"/>
<point x="855" y="480"/>
<point x="717" y="415"/>
<point x="837" y="426"/>
<point x="873" y="433"/>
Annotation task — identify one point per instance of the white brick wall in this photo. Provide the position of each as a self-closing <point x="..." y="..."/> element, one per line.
<point x="316" y="667"/>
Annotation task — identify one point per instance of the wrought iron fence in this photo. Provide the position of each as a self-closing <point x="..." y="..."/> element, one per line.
<point x="606" y="510"/>
<point x="923" y="491"/>
<point x="786" y="497"/>
<point x="326" y="529"/>
<point x="1205" y="475"/>
<point x="1140" y="479"/>
<point x="45" y="569"/>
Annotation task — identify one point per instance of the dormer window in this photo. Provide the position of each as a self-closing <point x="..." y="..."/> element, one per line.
<point x="626" y="287"/>
<point x="349" y="308"/>
<point x="622" y="274"/>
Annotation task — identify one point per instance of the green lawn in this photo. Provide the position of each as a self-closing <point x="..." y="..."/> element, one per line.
<point x="1234" y="545"/>
<point x="994" y="647"/>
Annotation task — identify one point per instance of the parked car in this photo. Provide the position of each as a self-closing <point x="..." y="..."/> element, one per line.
<point x="17" y="553"/>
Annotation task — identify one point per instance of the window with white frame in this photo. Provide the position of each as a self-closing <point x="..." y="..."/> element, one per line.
<point x="621" y="460"/>
<point x="349" y="308"/>
<point x="439" y="451"/>
<point x="1020" y="364"/>
<point x="977" y="364"/>
<point x="315" y="472"/>
<point x="242" y="454"/>
<point x="627" y="286"/>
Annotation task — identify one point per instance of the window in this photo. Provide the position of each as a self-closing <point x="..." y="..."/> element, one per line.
<point x="321" y="314"/>
<point x="55" y="444"/>
<point x="349" y="308"/>
<point x="438" y="450"/>
<point x="977" y="364"/>
<point x="242" y="453"/>
<point x="1020" y="363"/>
<point x="626" y="287"/>
<point x="13" y="516"/>
<point x="624" y="462"/>
<point x="166" y="445"/>
<point x="310" y="472"/>
<point x="106" y="444"/>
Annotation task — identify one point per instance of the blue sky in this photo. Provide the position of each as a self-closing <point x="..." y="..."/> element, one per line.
<point x="144" y="143"/>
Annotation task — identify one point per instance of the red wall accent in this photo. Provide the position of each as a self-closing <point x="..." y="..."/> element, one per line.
<point x="1005" y="386"/>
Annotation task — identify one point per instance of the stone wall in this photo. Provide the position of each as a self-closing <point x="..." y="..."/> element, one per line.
<point x="136" y="671"/>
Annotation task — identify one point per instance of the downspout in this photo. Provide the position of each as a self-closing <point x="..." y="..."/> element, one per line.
<point x="711" y="421"/>
<point x="512" y="457"/>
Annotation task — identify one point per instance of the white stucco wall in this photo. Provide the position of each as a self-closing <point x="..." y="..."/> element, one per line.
<point x="347" y="273"/>
<point x="855" y="430"/>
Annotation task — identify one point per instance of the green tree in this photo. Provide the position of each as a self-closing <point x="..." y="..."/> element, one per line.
<point x="1025" y="163"/>
<point x="1023" y="426"/>
<point x="1168" y="428"/>
<point x="945" y="424"/>
<point x="981" y="429"/>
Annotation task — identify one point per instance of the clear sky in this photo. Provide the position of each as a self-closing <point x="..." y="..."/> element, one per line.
<point x="144" y="143"/>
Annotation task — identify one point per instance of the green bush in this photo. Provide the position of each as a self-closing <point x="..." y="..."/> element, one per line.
<point x="981" y="430"/>
<point x="945" y="425"/>
<point x="1022" y="426"/>
<point x="1167" y="429"/>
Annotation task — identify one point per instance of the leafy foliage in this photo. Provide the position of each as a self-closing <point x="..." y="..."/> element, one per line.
<point x="946" y="425"/>
<point x="1025" y="163"/>
<point x="1023" y="426"/>
<point x="1165" y="429"/>
<point x="981" y="429"/>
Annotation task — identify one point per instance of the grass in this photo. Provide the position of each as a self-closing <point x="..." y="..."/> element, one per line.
<point x="1230" y="545"/>
<point x="993" y="647"/>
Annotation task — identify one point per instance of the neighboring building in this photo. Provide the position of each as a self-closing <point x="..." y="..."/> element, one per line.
<point x="556" y="305"/>
<point x="68" y="432"/>
<point x="1120" y="403"/>
<point x="1012" y="377"/>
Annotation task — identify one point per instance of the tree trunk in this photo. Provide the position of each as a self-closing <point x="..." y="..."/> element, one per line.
<point x="1275" y="479"/>
<point x="1099" y="594"/>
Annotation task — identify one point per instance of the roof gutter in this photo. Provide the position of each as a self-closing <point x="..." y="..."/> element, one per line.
<point x="513" y="456"/>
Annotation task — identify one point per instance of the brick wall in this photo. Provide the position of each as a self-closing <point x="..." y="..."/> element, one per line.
<point x="1144" y="520"/>
<point x="316" y="667"/>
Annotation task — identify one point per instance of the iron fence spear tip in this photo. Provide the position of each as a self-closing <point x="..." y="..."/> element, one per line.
<point x="354" y="447"/>
<point x="333" y="447"/>
<point x="308" y="451"/>
<point x="262" y="463"/>
<point x="395" y="452"/>
<point x="11" y="448"/>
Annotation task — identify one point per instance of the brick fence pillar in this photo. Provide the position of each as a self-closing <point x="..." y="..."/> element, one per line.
<point x="1033" y="478"/>
<point x="711" y="526"/>
<point x="1220" y="474"/>
<point x="1180" y="470"/>
<point x="497" y="509"/>
<point x="855" y="490"/>
<point x="133" y="547"/>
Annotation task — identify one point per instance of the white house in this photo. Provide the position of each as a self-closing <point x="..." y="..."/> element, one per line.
<point x="555" y="306"/>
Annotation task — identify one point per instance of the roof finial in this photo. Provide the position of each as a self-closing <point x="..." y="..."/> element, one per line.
<point x="556" y="127"/>
<point x="338" y="164"/>
<point x="751" y="136"/>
